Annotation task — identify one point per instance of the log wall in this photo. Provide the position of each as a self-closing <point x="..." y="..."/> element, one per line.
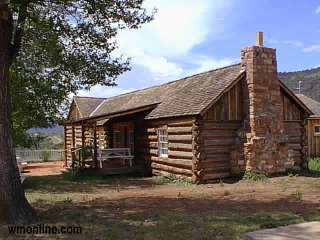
<point x="179" y="160"/>
<point x="294" y="119"/>
<point x="295" y="132"/>
<point x="313" y="140"/>
<point x="219" y="139"/>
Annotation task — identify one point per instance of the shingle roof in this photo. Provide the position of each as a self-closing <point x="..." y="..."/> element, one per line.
<point x="87" y="105"/>
<point x="187" y="96"/>
<point x="313" y="105"/>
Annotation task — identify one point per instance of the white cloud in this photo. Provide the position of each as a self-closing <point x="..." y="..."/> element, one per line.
<point x="178" y="27"/>
<point x="317" y="11"/>
<point x="294" y="43"/>
<point x="206" y="63"/>
<point x="312" y="48"/>
<point x="104" y="91"/>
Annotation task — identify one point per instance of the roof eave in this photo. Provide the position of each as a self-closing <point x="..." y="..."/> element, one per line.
<point x="288" y="91"/>
<point x="227" y="88"/>
<point x="113" y="115"/>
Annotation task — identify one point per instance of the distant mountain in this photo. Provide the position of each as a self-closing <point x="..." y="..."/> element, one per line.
<point x="310" y="82"/>
<point x="47" y="131"/>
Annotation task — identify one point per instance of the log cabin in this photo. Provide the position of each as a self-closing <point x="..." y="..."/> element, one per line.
<point x="203" y="127"/>
<point x="313" y="125"/>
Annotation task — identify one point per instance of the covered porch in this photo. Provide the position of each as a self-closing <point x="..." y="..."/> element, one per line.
<point x="105" y="144"/>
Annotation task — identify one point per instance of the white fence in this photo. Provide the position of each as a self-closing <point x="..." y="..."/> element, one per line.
<point x="39" y="155"/>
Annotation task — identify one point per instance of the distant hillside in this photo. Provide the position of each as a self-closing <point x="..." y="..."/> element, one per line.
<point x="47" y="131"/>
<point x="310" y="81"/>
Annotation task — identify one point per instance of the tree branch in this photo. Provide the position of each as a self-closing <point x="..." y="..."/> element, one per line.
<point x="18" y="34"/>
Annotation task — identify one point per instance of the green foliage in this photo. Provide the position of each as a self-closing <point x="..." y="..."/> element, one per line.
<point x="61" y="47"/>
<point x="314" y="165"/>
<point x="45" y="156"/>
<point x="255" y="176"/>
<point x="171" y="179"/>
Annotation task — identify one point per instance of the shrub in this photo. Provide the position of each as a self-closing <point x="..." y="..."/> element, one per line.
<point x="171" y="179"/>
<point x="314" y="164"/>
<point x="45" y="156"/>
<point x="255" y="176"/>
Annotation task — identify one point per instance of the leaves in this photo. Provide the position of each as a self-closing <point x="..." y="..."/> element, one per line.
<point x="62" y="46"/>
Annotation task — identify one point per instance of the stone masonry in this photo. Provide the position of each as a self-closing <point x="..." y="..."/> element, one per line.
<point x="265" y="148"/>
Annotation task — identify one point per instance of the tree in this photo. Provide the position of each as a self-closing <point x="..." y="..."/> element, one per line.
<point x="54" y="48"/>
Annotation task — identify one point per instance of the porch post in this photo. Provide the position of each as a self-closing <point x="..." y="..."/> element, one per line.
<point x="95" y="152"/>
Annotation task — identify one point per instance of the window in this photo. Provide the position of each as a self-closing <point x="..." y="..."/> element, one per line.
<point x="116" y="139"/>
<point x="131" y="140"/>
<point x="317" y="130"/>
<point x="163" y="142"/>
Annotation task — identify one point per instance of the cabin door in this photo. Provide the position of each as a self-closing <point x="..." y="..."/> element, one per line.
<point x="123" y="136"/>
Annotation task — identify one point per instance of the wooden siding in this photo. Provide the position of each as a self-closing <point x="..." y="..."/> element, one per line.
<point x="219" y="139"/>
<point x="291" y="110"/>
<point x="229" y="107"/>
<point x="313" y="141"/>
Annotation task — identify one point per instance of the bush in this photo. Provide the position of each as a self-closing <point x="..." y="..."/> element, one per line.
<point x="255" y="176"/>
<point x="314" y="164"/>
<point x="171" y="179"/>
<point x="45" y="156"/>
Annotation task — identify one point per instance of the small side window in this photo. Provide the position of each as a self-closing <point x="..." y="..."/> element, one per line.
<point x="163" y="142"/>
<point x="317" y="130"/>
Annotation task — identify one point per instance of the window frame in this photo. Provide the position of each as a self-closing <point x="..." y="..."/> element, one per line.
<point x="163" y="142"/>
<point x="317" y="133"/>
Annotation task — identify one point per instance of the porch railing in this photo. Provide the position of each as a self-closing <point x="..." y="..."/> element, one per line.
<point x="39" y="155"/>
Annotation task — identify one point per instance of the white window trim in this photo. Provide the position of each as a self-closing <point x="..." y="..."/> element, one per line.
<point x="161" y="142"/>
<point x="317" y="134"/>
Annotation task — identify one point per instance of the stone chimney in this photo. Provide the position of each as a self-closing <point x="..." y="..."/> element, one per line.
<point x="266" y="144"/>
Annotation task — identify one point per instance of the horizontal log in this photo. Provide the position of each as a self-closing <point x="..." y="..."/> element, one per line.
<point x="152" y="137"/>
<point x="183" y="163"/>
<point x="154" y="152"/>
<point x="171" y="169"/>
<point x="179" y="130"/>
<point x="218" y="142"/>
<point x="217" y="157"/>
<point x="180" y="124"/>
<point x="180" y="146"/>
<point x="217" y="149"/>
<point x="180" y="154"/>
<point x="180" y="138"/>
<point x="219" y="133"/>
<point x="151" y="131"/>
<point x="294" y="146"/>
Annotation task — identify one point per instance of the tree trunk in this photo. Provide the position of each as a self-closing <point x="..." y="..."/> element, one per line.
<point x="14" y="207"/>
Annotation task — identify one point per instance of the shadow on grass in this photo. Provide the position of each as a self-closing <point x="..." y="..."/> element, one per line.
<point x="67" y="182"/>
<point x="176" y="218"/>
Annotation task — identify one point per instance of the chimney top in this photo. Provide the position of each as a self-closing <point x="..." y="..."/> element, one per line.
<point x="259" y="39"/>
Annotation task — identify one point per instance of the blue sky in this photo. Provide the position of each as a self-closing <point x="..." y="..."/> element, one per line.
<point x="188" y="37"/>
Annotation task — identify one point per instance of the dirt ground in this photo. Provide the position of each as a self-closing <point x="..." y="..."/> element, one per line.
<point x="44" y="168"/>
<point x="142" y="208"/>
<point x="296" y="193"/>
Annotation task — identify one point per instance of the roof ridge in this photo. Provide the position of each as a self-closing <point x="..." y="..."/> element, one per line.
<point x="90" y="97"/>
<point x="167" y="83"/>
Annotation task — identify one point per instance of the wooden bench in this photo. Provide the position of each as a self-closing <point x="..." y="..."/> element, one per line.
<point x="115" y="153"/>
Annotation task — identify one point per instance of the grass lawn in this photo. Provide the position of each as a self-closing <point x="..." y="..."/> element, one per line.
<point x="146" y="208"/>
